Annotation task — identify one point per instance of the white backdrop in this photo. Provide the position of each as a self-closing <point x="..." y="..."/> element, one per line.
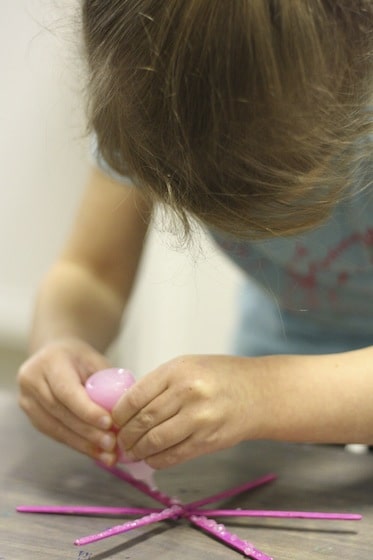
<point x="184" y="303"/>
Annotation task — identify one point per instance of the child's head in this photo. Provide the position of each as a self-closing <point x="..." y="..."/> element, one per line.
<point x="240" y="112"/>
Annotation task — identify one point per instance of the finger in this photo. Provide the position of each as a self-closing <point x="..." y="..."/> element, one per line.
<point x="161" y="438"/>
<point x="50" y="426"/>
<point x="180" y="453"/>
<point x="73" y="397"/>
<point x="186" y="450"/>
<point x="156" y="412"/>
<point x="138" y="397"/>
<point x="54" y="408"/>
<point x="69" y="391"/>
<point x="65" y="384"/>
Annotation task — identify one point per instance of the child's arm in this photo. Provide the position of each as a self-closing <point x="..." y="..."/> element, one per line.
<point x="86" y="290"/>
<point x="78" y="313"/>
<point x="200" y="404"/>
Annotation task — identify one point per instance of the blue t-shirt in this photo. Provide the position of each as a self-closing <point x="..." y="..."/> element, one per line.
<point x="312" y="292"/>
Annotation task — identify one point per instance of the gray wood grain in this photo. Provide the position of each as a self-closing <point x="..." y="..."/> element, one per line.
<point x="36" y="470"/>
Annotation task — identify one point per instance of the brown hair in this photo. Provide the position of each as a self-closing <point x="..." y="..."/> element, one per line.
<point x="241" y="113"/>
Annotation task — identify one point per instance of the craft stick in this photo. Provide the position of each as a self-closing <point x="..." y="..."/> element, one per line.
<point x="232" y="491"/>
<point x="168" y="513"/>
<point x="218" y="531"/>
<point x="139" y="485"/>
<point x="87" y="510"/>
<point x="280" y="514"/>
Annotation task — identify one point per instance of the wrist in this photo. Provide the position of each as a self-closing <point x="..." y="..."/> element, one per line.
<point x="319" y="398"/>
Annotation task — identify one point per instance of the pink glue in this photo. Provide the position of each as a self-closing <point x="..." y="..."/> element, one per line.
<point x="105" y="387"/>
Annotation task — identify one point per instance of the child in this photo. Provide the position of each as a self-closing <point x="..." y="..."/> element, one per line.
<point x="253" y="118"/>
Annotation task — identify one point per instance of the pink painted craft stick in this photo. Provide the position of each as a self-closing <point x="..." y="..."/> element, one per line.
<point x="218" y="531"/>
<point x="139" y="485"/>
<point x="232" y="491"/>
<point x="169" y="513"/>
<point x="87" y="510"/>
<point x="280" y="514"/>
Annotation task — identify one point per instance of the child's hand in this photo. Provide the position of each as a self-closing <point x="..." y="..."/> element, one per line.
<point x="185" y="408"/>
<point x="52" y="394"/>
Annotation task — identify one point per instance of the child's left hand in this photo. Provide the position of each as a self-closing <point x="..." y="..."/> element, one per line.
<point x="187" y="407"/>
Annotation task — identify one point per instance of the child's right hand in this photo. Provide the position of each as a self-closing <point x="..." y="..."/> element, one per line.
<point x="52" y="394"/>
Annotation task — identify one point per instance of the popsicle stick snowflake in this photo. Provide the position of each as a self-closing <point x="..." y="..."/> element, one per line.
<point x="194" y="512"/>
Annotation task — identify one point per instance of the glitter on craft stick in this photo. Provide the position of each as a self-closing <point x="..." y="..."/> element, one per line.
<point x="139" y="485"/>
<point x="234" y="491"/>
<point x="168" y="513"/>
<point x="220" y="532"/>
<point x="87" y="510"/>
<point x="277" y="514"/>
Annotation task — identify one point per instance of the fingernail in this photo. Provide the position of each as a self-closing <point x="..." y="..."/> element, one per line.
<point x="107" y="458"/>
<point x="107" y="442"/>
<point x="104" y="422"/>
<point x="126" y="456"/>
<point x="129" y="455"/>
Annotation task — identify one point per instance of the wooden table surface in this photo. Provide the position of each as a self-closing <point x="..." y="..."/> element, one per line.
<point x="36" y="470"/>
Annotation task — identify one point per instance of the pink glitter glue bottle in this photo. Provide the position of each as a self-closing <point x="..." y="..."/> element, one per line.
<point x="105" y="387"/>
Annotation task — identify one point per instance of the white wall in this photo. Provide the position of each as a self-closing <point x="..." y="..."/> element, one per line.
<point x="183" y="303"/>
<point x="42" y="155"/>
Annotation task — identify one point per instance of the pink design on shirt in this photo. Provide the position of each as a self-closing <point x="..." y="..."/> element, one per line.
<point x="309" y="281"/>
